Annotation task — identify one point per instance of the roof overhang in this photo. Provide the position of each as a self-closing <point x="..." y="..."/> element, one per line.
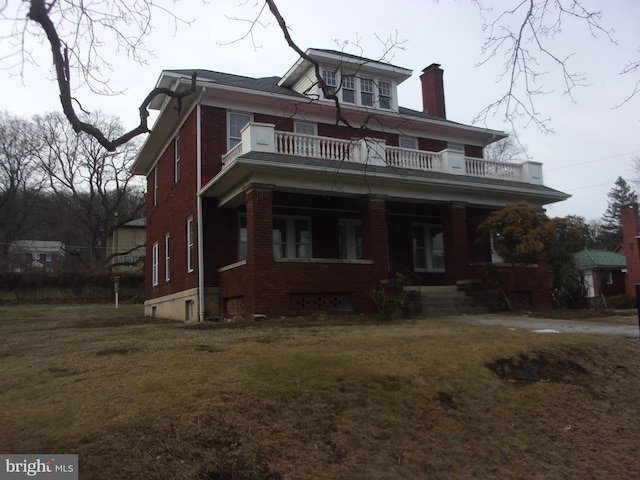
<point x="322" y="177"/>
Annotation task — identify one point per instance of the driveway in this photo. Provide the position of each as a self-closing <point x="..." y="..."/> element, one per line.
<point x="548" y="325"/>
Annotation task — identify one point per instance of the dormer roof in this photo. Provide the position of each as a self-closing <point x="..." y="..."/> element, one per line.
<point x="345" y="61"/>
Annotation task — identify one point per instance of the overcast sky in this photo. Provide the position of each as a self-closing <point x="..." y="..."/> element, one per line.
<point x="593" y="143"/>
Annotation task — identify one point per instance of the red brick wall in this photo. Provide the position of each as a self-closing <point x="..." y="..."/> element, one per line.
<point x="631" y="247"/>
<point x="176" y="202"/>
<point x="456" y="240"/>
<point x="214" y="140"/>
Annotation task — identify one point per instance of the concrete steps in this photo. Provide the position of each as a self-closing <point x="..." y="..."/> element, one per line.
<point x="446" y="300"/>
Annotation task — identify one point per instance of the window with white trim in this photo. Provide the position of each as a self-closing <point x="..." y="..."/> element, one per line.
<point x="350" y="232"/>
<point x="236" y="122"/>
<point x="167" y="257"/>
<point x="348" y="89"/>
<point x="406" y="142"/>
<point x="176" y="160"/>
<point x="366" y="92"/>
<point x="190" y="245"/>
<point x="329" y="78"/>
<point x="155" y="186"/>
<point x="428" y="248"/>
<point x="154" y="264"/>
<point x="291" y="237"/>
<point x="305" y="146"/>
<point x="608" y="277"/>
<point x="384" y="97"/>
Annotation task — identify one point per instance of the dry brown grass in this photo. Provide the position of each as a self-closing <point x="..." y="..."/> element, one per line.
<point x="300" y="399"/>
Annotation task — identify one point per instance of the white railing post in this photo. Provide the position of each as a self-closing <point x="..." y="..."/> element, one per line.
<point x="372" y="151"/>
<point x="258" y="137"/>
<point x="453" y="162"/>
<point x="532" y="172"/>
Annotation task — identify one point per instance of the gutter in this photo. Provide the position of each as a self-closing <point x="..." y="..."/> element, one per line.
<point x="201" y="286"/>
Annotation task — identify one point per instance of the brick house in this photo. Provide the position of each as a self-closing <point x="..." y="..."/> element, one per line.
<point x="259" y="203"/>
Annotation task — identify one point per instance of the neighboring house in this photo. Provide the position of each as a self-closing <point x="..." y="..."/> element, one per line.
<point x="603" y="271"/>
<point x="630" y="246"/>
<point x="36" y="255"/>
<point x="126" y="246"/>
<point x="260" y="203"/>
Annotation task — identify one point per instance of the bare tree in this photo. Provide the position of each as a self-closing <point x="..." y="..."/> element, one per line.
<point x="92" y="183"/>
<point x="520" y="37"/>
<point x="506" y="150"/>
<point x="77" y="33"/>
<point x="20" y="180"/>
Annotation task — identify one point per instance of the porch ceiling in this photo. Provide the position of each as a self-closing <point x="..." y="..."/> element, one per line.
<point x="325" y="177"/>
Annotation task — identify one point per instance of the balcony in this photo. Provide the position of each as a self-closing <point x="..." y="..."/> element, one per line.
<point x="264" y="138"/>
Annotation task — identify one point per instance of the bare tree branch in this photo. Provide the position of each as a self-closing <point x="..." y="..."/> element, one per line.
<point x="39" y="12"/>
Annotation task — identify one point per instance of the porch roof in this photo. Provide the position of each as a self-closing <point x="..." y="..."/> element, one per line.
<point x="326" y="177"/>
<point x="593" y="258"/>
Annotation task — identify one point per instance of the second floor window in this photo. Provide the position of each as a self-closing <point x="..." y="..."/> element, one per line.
<point x="176" y="160"/>
<point x="237" y="122"/>
<point x="155" y="186"/>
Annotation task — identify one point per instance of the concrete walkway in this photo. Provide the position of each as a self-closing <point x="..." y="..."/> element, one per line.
<point x="548" y="325"/>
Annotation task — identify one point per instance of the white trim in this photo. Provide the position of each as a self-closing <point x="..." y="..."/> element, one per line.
<point x="167" y="257"/>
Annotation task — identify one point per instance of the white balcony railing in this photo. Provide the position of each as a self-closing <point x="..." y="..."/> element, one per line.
<point x="315" y="147"/>
<point x="413" y="159"/>
<point x="264" y="138"/>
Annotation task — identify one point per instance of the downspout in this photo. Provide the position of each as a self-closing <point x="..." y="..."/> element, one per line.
<point x="201" y="286"/>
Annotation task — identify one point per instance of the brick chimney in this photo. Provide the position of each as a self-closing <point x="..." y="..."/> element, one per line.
<point x="433" y="91"/>
<point x="630" y="230"/>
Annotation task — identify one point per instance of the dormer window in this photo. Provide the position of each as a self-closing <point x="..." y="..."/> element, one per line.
<point x="348" y="89"/>
<point x="366" y="92"/>
<point x="329" y="77"/>
<point x="385" y="94"/>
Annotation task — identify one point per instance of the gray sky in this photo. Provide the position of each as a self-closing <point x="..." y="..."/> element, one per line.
<point x="593" y="142"/>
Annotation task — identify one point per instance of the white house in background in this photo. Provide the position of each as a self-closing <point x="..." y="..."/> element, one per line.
<point x="36" y="255"/>
<point x="126" y="246"/>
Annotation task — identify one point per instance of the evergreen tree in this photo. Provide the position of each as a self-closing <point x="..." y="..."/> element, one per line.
<point x="611" y="229"/>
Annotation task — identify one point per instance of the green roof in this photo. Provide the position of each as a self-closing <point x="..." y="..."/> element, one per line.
<point x="590" y="258"/>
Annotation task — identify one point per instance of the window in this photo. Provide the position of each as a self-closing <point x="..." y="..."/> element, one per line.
<point x="167" y="257"/>
<point x="350" y="239"/>
<point x="366" y="92"/>
<point x="608" y="277"/>
<point x="428" y="248"/>
<point x="242" y="237"/>
<point x="411" y="143"/>
<point x="305" y="146"/>
<point x="237" y="122"/>
<point x="155" y="186"/>
<point x="176" y="160"/>
<point x="384" y="99"/>
<point x="348" y="89"/>
<point x="291" y="237"/>
<point x="329" y="77"/>
<point x="190" y="245"/>
<point x="154" y="264"/>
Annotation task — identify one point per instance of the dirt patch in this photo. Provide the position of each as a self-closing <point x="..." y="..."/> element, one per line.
<point x="527" y="368"/>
